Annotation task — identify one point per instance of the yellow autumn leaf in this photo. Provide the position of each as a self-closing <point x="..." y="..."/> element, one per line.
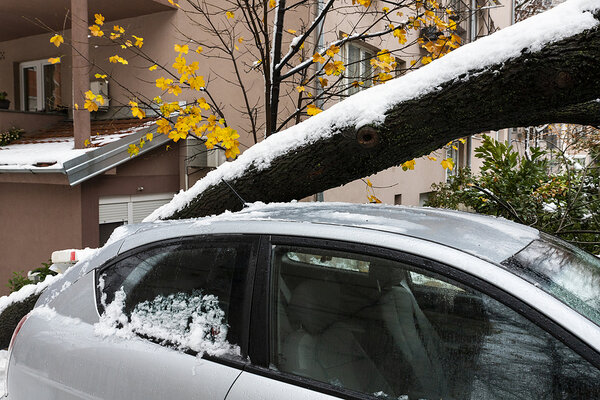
<point x="76" y="106"/>
<point x="152" y="68"/>
<point x="90" y="105"/>
<point x="174" y="4"/>
<point x="272" y="3"/>
<point x="139" y="41"/>
<point x="463" y="141"/>
<point x="117" y="59"/>
<point x="99" y="19"/>
<point x="292" y="31"/>
<point x="133" y="150"/>
<point x="57" y="40"/>
<point x="369" y="184"/>
<point x="334" y="68"/>
<point x="385" y="9"/>
<point x="174" y="89"/>
<point x="197" y="82"/>
<point x="203" y="104"/>
<point x="181" y="49"/>
<point x="448" y="163"/>
<point x="100" y="76"/>
<point x="149" y="136"/>
<point x="332" y="50"/>
<point x="241" y="39"/>
<point x="54" y="60"/>
<point x="318" y="58"/>
<point x="410" y="164"/>
<point x="229" y="14"/>
<point x="96" y="31"/>
<point x="311" y="109"/>
<point x="300" y="89"/>
<point x="199" y="49"/>
<point x="432" y="158"/>
<point x="163" y="83"/>
<point x="323" y="82"/>
<point x="373" y="199"/>
<point x="136" y="111"/>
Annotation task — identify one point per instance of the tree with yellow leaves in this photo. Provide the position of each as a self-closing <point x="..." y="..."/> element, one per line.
<point x="303" y="66"/>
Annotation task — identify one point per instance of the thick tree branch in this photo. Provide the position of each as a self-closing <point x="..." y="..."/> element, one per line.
<point x="561" y="76"/>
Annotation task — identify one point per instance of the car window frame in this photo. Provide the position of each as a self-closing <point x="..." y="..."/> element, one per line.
<point x="253" y="240"/>
<point x="261" y="330"/>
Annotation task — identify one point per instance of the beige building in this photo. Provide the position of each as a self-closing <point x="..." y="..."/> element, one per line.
<point x="412" y="187"/>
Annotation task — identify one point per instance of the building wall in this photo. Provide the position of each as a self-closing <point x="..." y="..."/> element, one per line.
<point x="154" y="172"/>
<point x="36" y="219"/>
<point x="395" y="186"/>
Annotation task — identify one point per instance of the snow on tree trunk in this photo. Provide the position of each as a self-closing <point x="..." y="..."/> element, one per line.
<point x="544" y="69"/>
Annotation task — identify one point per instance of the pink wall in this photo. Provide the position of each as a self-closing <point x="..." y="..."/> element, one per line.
<point x="36" y="219"/>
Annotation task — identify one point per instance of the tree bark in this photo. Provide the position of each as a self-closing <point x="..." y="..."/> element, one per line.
<point x="559" y="83"/>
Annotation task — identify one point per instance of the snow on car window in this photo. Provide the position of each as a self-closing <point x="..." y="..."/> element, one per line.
<point x="564" y="271"/>
<point x="348" y="264"/>
<point x="187" y="321"/>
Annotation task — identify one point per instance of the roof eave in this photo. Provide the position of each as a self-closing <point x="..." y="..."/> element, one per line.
<point x="111" y="155"/>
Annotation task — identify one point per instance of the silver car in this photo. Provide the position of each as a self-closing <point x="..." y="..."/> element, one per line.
<point x="318" y="301"/>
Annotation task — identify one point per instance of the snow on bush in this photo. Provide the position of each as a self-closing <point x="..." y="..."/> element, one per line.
<point x="185" y="321"/>
<point x="26" y="291"/>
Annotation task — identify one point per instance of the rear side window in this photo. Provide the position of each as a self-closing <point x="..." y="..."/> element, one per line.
<point x="188" y="295"/>
<point x="398" y="331"/>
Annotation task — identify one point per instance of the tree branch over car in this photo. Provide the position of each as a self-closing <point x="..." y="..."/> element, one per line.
<point x="511" y="78"/>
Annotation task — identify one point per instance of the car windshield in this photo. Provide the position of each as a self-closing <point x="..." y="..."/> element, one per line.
<point x="564" y="271"/>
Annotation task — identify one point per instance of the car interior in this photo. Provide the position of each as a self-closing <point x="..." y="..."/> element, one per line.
<point x="362" y="323"/>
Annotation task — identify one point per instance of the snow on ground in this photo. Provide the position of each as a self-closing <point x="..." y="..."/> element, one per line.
<point x="369" y="106"/>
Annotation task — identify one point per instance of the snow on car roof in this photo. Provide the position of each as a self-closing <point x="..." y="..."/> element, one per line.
<point x="491" y="238"/>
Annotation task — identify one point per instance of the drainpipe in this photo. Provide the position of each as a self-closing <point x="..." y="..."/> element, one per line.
<point x="80" y="70"/>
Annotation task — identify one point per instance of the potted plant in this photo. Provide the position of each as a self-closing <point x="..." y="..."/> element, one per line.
<point x="4" y="102"/>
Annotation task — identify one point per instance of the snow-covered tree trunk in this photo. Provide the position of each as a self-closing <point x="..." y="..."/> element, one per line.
<point x="555" y="82"/>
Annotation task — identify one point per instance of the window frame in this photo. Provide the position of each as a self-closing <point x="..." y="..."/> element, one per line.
<point x="261" y="327"/>
<point x="363" y="49"/>
<point x="201" y="240"/>
<point x="39" y="66"/>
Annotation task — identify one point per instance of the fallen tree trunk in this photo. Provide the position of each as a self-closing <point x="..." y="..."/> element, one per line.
<point x="558" y="83"/>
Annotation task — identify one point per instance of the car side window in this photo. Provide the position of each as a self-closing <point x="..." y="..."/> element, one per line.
<point x="188" y="295"/>
<point x="393" y="330"/>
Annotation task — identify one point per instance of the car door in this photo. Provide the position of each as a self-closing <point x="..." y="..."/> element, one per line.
<point x="356" y="321"/>
<point x="173" y="324"/>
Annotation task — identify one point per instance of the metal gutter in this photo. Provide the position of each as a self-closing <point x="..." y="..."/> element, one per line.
<point x="100" y="160"/>
<point x="33" y="171"/>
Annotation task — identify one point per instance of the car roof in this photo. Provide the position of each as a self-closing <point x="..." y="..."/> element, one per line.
<point x="491" y="238"/>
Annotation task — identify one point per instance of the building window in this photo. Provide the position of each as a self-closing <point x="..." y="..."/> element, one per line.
<point x="40" y="86"/>
<point x="423" y="198"/>
<point x="452" y="152"/>
<point x="114" y="211"/>
<point x="398" y="199"/>
<point x="358" y="62"/>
